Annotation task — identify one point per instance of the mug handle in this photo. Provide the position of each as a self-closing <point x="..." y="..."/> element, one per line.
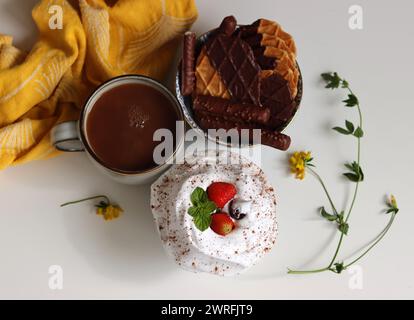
<point x="65" y="137"/>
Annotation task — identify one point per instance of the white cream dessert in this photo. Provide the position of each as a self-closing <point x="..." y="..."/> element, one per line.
<point x="254" y="232"/>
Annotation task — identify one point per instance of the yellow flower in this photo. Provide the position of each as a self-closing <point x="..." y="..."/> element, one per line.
<point x="104" y="208"/>
<point x="298" y="163"/>
<point x="109" y="212"/>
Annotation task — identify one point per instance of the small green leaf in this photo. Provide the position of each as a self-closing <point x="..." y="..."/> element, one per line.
<point x="198" y="196"/>
<point x="202" y="209"/>
<point x="392" y="210"/>
<point x="326" y="76"/>
<point x="202" y="221"/>
<point x="332" y="79"/>
<point x="352" y="177"/>
<point x="349" y="166"/>
<point x="357" y="175"/>
<point x="352" y="100"/>
<point x="359" y="133"/>
<point x="193" y="211"/>
<point x="339" y="267"/>
<point x="328" y="216"/>
<point x="345" y="84"/>
<point x="360" y="173"/>
<point x="350" y="126"/>
<point x="208" y="207"/>
<point x="341" y="130"/>
<point x="343" y="227"/>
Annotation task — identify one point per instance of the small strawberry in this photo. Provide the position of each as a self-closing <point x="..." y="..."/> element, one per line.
<point x="221" y="223"/>
<point x="221" y="193"/>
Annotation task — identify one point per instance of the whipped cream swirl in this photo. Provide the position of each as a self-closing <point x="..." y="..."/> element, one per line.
<point x="207" y="251"/>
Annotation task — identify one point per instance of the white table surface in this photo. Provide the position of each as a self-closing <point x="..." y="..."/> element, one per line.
<point x="125" y="259"/>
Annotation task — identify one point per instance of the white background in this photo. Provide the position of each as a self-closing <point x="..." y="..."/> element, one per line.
<point x="124" y="258"/>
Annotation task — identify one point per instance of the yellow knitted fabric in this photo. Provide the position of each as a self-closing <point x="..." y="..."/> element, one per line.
<point x="96" y="42"/>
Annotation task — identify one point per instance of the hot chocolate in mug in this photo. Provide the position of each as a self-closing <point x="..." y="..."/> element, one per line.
<point x="117" y="125"/>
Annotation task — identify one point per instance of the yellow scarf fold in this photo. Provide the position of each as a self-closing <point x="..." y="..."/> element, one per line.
<point x="96" y="42"/>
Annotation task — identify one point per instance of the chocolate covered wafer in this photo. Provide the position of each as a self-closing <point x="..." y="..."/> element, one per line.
<point x="228" y="25"/>
<point x="236" y="65"/>
<point x="264" y="61"/>
<point x="275" y="94"/>
<point x="274" y="49"/>
<point x="231" y="110"/>
<point x="268" y="137"/>
<point x="188" y="64"/>
<point x="266" y="30"/>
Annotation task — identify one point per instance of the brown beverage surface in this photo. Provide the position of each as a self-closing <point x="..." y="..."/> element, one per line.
<point x="122" y="122"/>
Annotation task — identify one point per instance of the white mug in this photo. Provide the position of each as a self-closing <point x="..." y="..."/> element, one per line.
<point x="72" y="136"/>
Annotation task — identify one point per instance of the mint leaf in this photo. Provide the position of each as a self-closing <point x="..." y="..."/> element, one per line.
<point x="350" y="126"/>
<point x="202" y="209"/>
<point x="352" y="100"/>
<point x="208" y="207"/>
<point x="359" y="133"/>
<point x="327" y="216"/>
<point x="198" y="196"/>
<point x="341" y="130"/>
<point x="202" y="221"/>
<point x="193" y="211"/>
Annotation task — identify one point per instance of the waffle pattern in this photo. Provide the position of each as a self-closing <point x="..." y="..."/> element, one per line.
<point x="235" y="62"/>
<point x="208" y="81"/>
<point x="267" y="38"/>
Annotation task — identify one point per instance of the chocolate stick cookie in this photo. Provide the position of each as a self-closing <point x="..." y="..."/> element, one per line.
<point x="188" y="64"/>
<point x="231" y="110"/>
<point x="270" y="138"/>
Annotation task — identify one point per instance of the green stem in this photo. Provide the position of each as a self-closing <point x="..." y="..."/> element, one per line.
<point x="86" y="199"/>
<point x="356" y="186"/>
<point x="354" y="197"/>
<point x="338" y="247"/>
<point x="318" y="177"/>
<point x="307" y="272"/>
<point x="378" y="239"/>
<point x="358" y="159"/>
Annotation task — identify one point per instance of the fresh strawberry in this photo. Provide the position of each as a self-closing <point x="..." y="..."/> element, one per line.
<point x="221" y="223"/>
<point x="221" y="193"/>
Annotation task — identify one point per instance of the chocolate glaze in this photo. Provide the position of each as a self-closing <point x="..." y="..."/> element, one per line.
<point x="268" y="137"/>
<point x="275" y="94"/>
<point x="266" y="63"/>
<point x="228" y="25"/>
<point x="188" y="64"/>
<point x="234" y="60"/>
<point x="232" y="111"/>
